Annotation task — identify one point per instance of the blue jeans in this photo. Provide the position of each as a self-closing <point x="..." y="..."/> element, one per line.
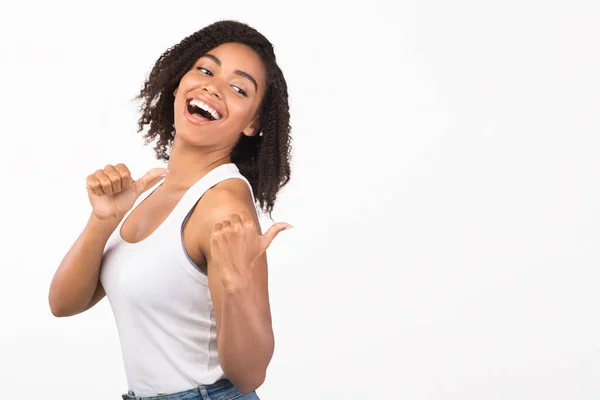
<point x="220" y="390"/>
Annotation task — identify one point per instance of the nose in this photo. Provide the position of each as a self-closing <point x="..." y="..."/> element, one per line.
<point x="211" y="90"/>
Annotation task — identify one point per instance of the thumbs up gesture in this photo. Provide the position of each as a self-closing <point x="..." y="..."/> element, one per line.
<point x="112" y="192"/>
<point x="235" y="245"/>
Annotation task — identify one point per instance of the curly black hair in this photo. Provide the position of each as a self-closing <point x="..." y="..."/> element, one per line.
<point x="263" y="159"/>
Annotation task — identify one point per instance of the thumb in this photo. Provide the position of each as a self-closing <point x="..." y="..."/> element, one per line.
<point x="151" y="178"/>
<point x="273" y="231"/>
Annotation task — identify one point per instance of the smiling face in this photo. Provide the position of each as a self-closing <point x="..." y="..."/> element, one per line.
<point x="218" y="98"/>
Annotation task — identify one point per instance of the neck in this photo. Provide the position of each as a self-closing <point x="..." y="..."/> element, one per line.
<point x="188" y="164"/>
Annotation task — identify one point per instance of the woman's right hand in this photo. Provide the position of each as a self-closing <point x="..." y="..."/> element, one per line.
<point x="112" y="191"/>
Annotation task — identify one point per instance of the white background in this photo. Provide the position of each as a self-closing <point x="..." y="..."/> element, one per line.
<point x="444" y="195"/>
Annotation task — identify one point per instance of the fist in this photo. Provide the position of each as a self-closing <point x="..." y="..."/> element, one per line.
<point x="112" y="192"/>
<point x="108" y="181"/>
<point x="236" y="244"/>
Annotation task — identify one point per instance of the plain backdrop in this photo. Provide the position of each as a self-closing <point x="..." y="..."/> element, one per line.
<point x="444" y="195"/>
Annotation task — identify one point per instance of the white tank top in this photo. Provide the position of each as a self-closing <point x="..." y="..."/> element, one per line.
<point x="161" y="301"/>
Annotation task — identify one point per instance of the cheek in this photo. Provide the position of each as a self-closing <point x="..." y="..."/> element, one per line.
<point x="241" y="111"/>
<point x="178" y="108"/>
<point x="178" y="100"/>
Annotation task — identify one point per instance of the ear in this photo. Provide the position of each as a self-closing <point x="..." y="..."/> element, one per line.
<point x="254" y="127"/>
<point x="175" y="92"/>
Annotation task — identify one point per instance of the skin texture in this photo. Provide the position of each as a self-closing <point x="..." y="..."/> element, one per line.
<point x="222" y="235"/>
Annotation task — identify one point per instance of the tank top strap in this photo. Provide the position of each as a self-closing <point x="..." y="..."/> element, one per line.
<point x="197" y="190"/>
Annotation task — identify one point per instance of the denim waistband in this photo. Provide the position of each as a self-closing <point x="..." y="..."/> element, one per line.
<point x="220" y="390"/>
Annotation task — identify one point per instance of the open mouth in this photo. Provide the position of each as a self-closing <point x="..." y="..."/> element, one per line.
<point x="202" y="110"/>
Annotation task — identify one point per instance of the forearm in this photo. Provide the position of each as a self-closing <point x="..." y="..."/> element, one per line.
<point x="76" y="278"/>
<point x="246" y="340"/>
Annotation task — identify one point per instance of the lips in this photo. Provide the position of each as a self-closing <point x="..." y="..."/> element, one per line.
<point x="215" y="106"/>
<point x="197" y="120"/>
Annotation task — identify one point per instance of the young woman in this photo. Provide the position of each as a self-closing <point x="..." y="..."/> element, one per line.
<point x="179" y="252"/>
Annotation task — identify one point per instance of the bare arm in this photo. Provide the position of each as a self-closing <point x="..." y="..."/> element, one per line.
<point x="244" y="331"/>
<point x="75" y="287"/>
<point x="245" y="334"/>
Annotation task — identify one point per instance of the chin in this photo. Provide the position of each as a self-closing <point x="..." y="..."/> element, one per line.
<point x="199" y="137"/>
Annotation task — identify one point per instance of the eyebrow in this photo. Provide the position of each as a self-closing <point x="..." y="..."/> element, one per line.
<point x="237" y="72"/>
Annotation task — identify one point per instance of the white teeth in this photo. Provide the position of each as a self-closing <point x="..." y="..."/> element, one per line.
<point x="206" y="107"/>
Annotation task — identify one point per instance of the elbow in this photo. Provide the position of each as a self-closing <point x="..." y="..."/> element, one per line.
<point x="63" y="312"/>
<point x="250" y="385"/>
<point x="53" y="301"/>
<point x="247" y="384"/>
<point x="54" y="307"/>
<point x="58" y="310"/>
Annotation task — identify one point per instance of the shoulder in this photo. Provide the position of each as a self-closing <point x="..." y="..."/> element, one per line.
<point x="227" y="197"/>
<point x="218" y="204"/>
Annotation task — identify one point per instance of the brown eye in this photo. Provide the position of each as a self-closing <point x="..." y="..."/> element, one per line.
<point x="204" y="71"/>
<point x="240" y="91"/>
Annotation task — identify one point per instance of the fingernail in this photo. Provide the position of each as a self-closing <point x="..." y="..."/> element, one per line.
<point x="288" y="227"/>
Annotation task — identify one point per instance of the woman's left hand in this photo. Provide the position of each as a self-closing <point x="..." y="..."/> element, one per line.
<point x="235" y="245"/>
